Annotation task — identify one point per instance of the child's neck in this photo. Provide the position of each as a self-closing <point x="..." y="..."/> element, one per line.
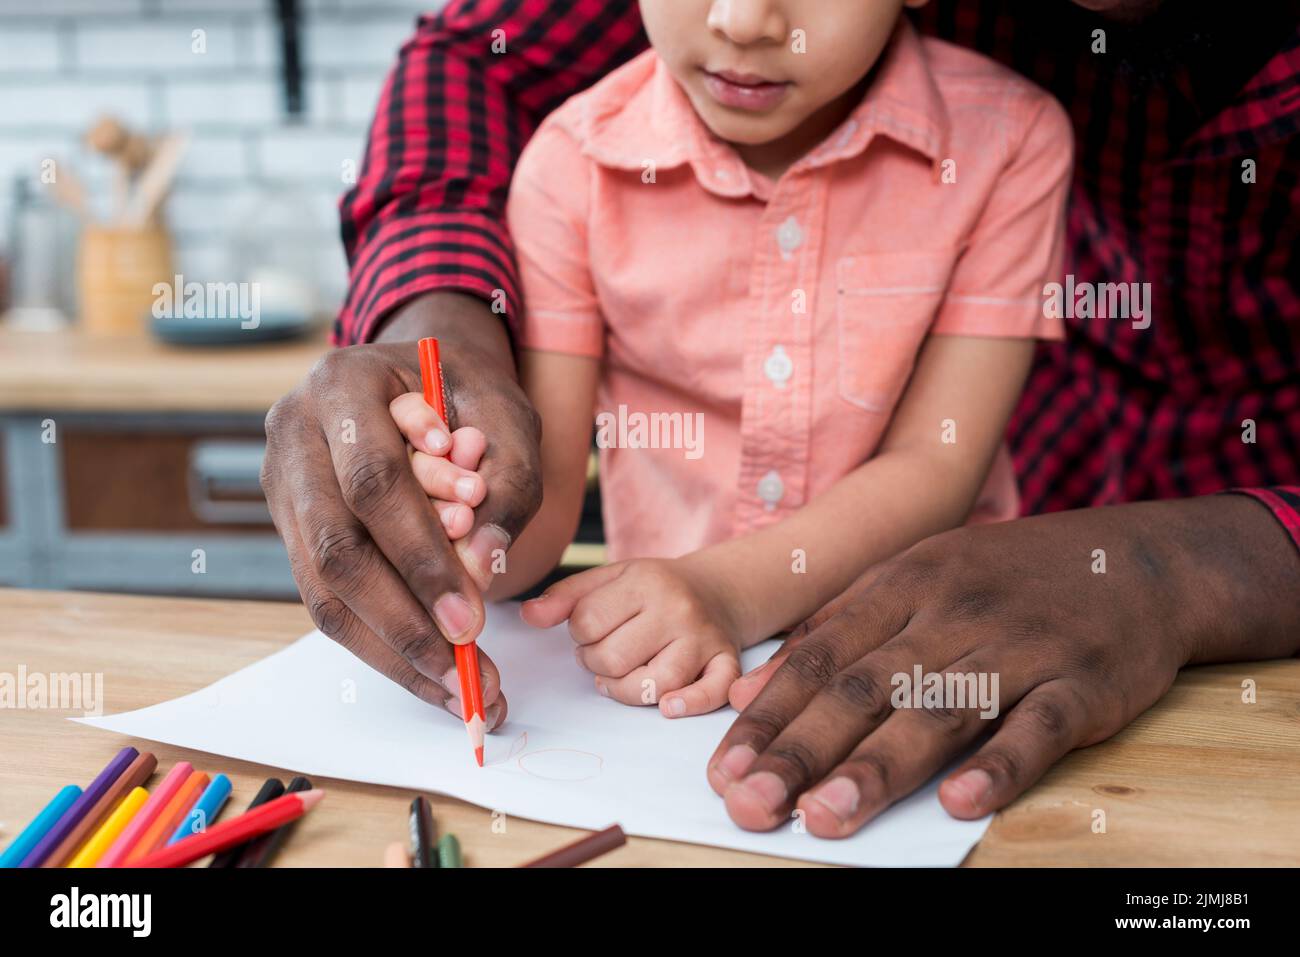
<point x="773" y="158"/>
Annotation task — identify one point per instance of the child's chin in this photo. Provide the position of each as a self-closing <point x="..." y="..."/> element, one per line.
<point x="754" y="130"/>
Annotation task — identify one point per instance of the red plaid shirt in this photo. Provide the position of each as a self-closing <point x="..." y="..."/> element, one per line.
<point x="1205" y="397"/>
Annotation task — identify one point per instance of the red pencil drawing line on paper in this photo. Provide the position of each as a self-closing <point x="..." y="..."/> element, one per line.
<point x="564" y="769"/>
<point x="556" y="764"/>
<point x="517" y="746"/>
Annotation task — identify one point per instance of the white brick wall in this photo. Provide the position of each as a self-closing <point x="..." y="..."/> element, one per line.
<point x="63" y="63"/>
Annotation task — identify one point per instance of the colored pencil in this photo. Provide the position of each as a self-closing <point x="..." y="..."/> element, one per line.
<point x="205" y="809"/>
<point x="424" y="834"/>
<point x="102" y="839"/>
<point x="155" y="836"/>
<point x="64" y="825"/>
<point x="471" y="685"/>
<point x="449" y="851"/>
<point x="259" y="852"/>
<point x="40" y="825"/>
<point x="137" y="773"/>
<point x="271" y="789"/>
<point x="248" y="825"/>
<point x="116" y="855"/>
<point x="581" y="851"/>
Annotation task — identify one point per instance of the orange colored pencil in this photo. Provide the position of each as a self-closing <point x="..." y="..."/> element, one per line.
<point x="236" y="830"/>
<point x="471" y="686"/>
<point x="164" y="826"/>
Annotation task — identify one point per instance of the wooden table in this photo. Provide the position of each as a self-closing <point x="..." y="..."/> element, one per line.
<point x="1201" y="779"/>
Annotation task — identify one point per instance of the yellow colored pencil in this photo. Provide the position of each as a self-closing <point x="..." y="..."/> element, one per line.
<point x="108" y="832"/>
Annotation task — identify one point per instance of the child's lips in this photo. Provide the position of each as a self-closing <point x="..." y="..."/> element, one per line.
<point x="744" y="91"/>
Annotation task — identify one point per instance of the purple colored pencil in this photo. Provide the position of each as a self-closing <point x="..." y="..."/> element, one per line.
<point x="89" y="798"/>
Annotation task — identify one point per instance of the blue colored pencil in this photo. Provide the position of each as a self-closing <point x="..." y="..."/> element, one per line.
<point x="205" y="810"/>
<point x="88" y="799"/>
<point x="40" y="826"/>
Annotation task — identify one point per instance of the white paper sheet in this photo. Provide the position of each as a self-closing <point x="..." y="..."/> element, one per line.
<point x="566" y="755"/>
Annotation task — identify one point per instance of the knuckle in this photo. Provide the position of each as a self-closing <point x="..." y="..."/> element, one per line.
<point x="369" y="482"/>
<point x="583" y="623"/>
<point x="412" y="681"/>
<point x="870" y="765"/>
<point x="412" y="638"/>
<point x="974" y="601"/>
<point x="1048" y="716"/>
<point x="339" y="554"/>
<point x="948" y="721"/>
<point x="813" y="663"/>
<point x="762" y="725"/>
<point x="861" y="692"/>
<point x="795" y="756"/>
<point x="326" y="368"/>
<point x="522" y="485"/>
<point x="1004" y="764"/>
<point x="329" y="614"/>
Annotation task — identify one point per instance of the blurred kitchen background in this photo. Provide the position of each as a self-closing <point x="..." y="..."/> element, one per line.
<point x="141" y="140"/>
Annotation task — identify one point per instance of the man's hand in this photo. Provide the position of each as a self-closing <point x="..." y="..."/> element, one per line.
<point x="367" y="549"/>
<point x="1080" y="647"/>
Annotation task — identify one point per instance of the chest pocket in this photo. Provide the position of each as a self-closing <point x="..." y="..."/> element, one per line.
<point x="885" y="304"/>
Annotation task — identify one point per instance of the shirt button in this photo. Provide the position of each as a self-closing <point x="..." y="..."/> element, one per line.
<point x="789" y="236"/>
<point x="771" y="490"/>
<point x="778" y="367"/>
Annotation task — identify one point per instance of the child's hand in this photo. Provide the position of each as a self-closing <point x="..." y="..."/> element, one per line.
<point x="443" y="463"/>
<point x="651" y="630"/>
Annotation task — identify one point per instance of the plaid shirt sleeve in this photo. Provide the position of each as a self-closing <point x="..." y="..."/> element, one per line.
<point x="1284" y="502"/>
<point x="427" y="211"/>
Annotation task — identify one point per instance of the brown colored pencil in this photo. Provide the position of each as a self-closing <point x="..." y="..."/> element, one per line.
<point x="135" y="775"/>
<point x="583" y="850"/>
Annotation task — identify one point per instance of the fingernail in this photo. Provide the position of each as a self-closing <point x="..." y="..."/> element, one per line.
<point x="449" y="516"/>
<point x="767" y="787"/>
<point x="600" y="687"/>
<point x="465" y="488"/>
<point x="454" y="706"/>
<point x="484" y="544"/>
<point x="676" y="707"/>
<point x="453" y="614"/>
<point x="451" y="680"/>
<point x="840" y="796"/>
<point x="736" y="762"/>
<point x="437" y="440"/>
<point x="976" y="785"/>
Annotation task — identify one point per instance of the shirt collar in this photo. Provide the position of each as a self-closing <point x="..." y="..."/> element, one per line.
<point x="902" y="102"/>
<point x="1265" y="111"/>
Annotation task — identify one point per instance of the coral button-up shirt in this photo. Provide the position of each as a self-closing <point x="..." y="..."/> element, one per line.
<point x="764" y="331"/>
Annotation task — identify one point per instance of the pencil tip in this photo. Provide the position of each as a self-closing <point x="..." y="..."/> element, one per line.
<point x="310" y="798"/>
<point x="478" y="755"/>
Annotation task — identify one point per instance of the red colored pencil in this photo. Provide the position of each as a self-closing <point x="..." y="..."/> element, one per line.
<point x="237" y="830"/>
<point x="471" y="687"/>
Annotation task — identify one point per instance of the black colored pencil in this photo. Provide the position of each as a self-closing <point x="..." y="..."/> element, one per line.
<point x="258" y="852"/>
<point x="271" y="789"/>
<point x="424" y="834"/>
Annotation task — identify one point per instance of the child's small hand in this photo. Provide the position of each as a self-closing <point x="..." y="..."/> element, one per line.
<point x="650" y="630"/>
<point x="443" y="462"/>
